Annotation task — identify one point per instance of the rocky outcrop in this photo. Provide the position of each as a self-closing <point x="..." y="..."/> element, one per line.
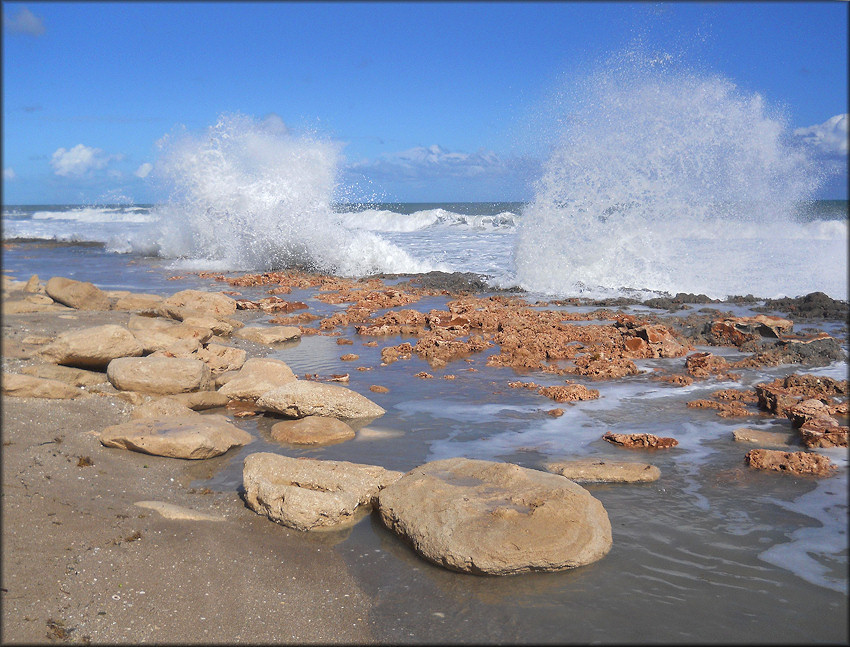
<point x="305" y="398"/>
<point x="312" y="430"/>
<point x="594" y="470"/>
<point x="28" y="386"/>
<point x="759" y="437"/>
<point x="257" y="376"/>
<point x="797" y="463"/>
<point x="92" y="347"/>
<point x="645" y="441"/>
<point x="77" y="294"/>
<point x="162" y="375"/>
<point x="495" y="518"/>
<point x="569" y="393"/>
<point x="306" y="494"/>
<point x="189" y="303"/>
<point x="67" y="374"/>
<point x="137" y="301"/>
<point x="268" y="335"/>
<point x="221" y="359"/>
<point x="193" y="437"/>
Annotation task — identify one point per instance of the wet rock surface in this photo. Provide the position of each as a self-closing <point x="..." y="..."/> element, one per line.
<point x="594" y="470"/>
<point x="796" y="463"/>
<point x="307" y="494"/>
<point x="306" y="398"/>
<point x="495" y="518"/>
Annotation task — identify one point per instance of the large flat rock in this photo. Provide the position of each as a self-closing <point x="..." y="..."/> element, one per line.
<point x="594" y="470"/>
<point x="306" y="494"/>
<point x="257" y="376"/>
<point x="161" y="375"/>
<point x="269" y="334"/>
<point x="193" y="437"/>
<point x="187" y="303"/>
<point x="29" y="386"/>
<point x="305" y="398"/>
<point x="77" y="294"/>
<point x="495" y="518"/>
<point x="312" y="430"/>
<point x="92" y="347"/>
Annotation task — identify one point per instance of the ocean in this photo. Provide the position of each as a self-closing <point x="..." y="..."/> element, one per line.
<point x="805" y="253"/>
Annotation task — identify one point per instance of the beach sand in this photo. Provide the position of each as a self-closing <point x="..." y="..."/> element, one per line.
<point x="82" y="562"/>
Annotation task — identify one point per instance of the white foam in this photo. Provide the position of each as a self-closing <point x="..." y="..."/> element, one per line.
<point x="672" y="181"/>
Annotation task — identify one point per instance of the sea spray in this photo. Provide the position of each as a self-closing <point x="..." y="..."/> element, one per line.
<point x="666" y="180"/>
<point x="247" y="194"/>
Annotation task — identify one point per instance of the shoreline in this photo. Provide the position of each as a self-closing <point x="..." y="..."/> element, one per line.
<point x="62" y="585"/>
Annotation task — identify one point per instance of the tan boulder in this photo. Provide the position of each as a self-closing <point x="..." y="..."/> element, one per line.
<point x="67" y="374"/>
<point x="161" y="408"/>
<point x="221" y="359"/>
<point x="193" y="437"/>
<point x="28" y="386"/>
<point x="92" y="347"/>
<point x="76" y="294"/>
<point x="495" y="518"/>
<point x="198" y="400"/>
<point x="257" y="375"/>
<point x="218" y="326"/>
<point x="268" y="335"/>
<point x="759" y="437"/>
<point x="305" y="494"/>
<point x="182" y="348"/>
<point x="137" y="301"/>
<point x="33" y="285"/>
<point x="312" y="430"/>
<point x="594" y="470"/>
<point x="188" y="303"/>
<point x="305" y="398"/>
<point x="158" y="374"/>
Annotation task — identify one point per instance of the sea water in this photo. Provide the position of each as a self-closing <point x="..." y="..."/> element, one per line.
<point x="636" y="200"/>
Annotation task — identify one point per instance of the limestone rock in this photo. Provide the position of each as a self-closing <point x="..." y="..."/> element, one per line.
<point x="92" y="347"/>
<point x="77" y="294"/>
<point x="495" y="518"/>
<point x="797" y="463"/>
<point x="312" y="430"/>
<point x="808" y="410"/>
<point x="305" y="398"/>
<point x="198" y="303"/>
<point x="182" y="348"/>
<point x="194" y="437"/>
<point x="218" y="326"/>
<point x="33" y="285"/>
<point x="257" y="375"/>
<point x="268" y="335"/>
<point x="594" y="470"/>
<point x="27" y="386"/>
<point x="306" y="494"/>
<point x="158" y="374"/>
<point x="67" y="374"/>
<point x="15" y="307"/>
<point x="198" y="400"/>
<point x="649" y="441"/>
<point x="221" y="359"/>
<point x="823" y="432"/>
<point x="745" y="435"/>
<point x="171" y="511"/>
<point x="137" y="301"/>
<point x="161" y="408"/>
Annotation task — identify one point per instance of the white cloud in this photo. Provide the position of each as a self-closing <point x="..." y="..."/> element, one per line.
<point x="9" y="173"/>
<point x="78" y="160"/>
<point x="435" y="162"/>
<point x="828" y="138"/>
<point x="144" y="170"/>
<point x="24" y="22"/>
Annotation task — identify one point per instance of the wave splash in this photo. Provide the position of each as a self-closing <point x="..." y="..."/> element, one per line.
<point x="247" y="194"/>
<point x="657" y="176"/>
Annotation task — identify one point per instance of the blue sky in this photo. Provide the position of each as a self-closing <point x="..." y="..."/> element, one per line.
<point x="430" y="101"/>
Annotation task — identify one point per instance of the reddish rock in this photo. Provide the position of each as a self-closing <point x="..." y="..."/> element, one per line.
<point x="705" y="365"/>
<point x="648" y="441"/>
<point x="776" y="399"/>
<point x="724" y="409"/>
<point x="569" y="393"/>
<point x="797" y="463"/>
<point x="823" y="432"/>
<point x="808" y="410"/>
